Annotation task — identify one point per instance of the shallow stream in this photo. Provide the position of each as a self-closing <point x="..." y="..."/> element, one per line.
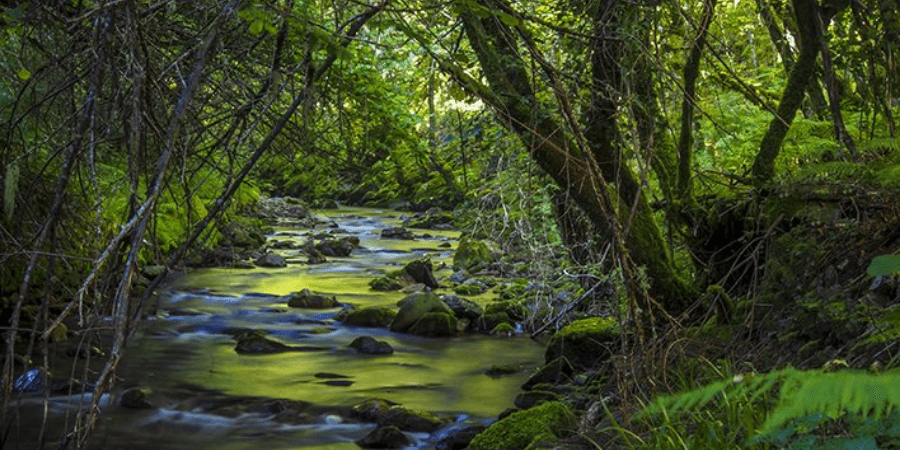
<point x="187" y="359"/>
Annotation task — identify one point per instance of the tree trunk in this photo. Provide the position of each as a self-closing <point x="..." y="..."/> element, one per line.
<point x="803" y="72"/>
<point x="686" y="139"/>
<point x="558" y="154"/>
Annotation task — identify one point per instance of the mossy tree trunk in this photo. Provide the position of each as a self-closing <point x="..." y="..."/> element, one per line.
<point x="803" y="72"/>
<point x="581" y="164"/>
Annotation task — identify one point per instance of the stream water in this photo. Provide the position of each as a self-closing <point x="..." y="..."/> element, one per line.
<point x="188" y="361"/>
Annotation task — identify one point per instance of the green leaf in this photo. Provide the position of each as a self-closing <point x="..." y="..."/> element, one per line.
<point x="256" y="27"/>
<point x="24" y="74"/>
<point x="508" y="19"/>
<point x="884" y="265"/>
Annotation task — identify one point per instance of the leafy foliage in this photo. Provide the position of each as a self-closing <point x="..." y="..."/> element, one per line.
<point x="809" y="407"/>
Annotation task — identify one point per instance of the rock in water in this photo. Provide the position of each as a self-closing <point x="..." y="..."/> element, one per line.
<point x="310" y="300"/>
<point x="384" y="437"/>
<point x="414" y="306"/>
<point x="421" y="270"/>
<point x="370" y="316"/>
<point x="271" y="260"/>
<point x="371" y="346"/>
<point x="396" y="233"/>
<point x="135" y="398"/>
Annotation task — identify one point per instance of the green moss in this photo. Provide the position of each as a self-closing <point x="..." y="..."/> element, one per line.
<point x="522" y="428"/>
<point x="503" y="329"/>
<point x="513" y="309"/>
<point x="584" y="341"/>
<point x="385" y="283"/>
<point x="372" y="316"/>
<point x="468" y="289"/>
<point x="435" y="324"/>
<point x="473" y="255"/>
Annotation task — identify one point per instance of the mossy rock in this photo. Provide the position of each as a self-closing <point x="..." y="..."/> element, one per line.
<point x="414" y="306"/>
<point x="463" y="308"/>
<point x="385" y="284"/>
<point x="515" y="310"/>
<point x="583" y="342"/>
<point x="503" y="329"/>
<point x="522" y="428"/>
<point x="421" y="271"/>
<point x="370" y="316"/>
<point x="371" y="410"/>
<point x="468" y="289"/>
<point x="243" y="234"/>
<point x="310" y="300"/>
<point x="408" y="419"/>
<point x="473" y="254"/>
<point x="489" y="321"/>
<point x="435" y="324"/>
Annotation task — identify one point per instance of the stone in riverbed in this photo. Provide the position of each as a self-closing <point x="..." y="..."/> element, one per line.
<point x="371" y="410"/>
<point x="338" y="247"/>
<point x="458" y="437"/>
<point x="414" y="306"/>
<point x="370" y="316"/>
<point x="463" y="308"/>
<point x="370" y="346"/>
<point x="421" y="270"/>
<point x="135" y="398"/>
<point x="310" y="300"/>
<point x="435" y="324"/>
<point x="408" y="419"/>
<point x="271" y="260"/>
<point x="384" y="437"/>
<point x="396" y="233"/>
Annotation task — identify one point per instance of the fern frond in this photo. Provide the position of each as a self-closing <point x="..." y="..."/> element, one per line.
<point x="806" y="399"/>
<point x="834" y="171"/>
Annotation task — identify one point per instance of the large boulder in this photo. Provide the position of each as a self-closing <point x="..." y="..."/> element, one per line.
<point x="522" y="428"/>
<point x="474" y="254"/>
<point x="435" y="324"/>
<point x="415" y="306"/>
<point x="584" y="342"/>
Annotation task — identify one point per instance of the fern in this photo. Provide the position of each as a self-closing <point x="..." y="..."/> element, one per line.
<point x="834" y="171"/>
<point x="807" y="400"/>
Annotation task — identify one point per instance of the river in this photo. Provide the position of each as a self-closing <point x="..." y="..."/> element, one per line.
<point x="197" y="382"/>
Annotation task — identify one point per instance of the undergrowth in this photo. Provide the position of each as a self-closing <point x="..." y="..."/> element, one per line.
<point x="788" y="408"/>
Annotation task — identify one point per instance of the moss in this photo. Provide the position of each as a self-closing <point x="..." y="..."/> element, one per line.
<point x="468" y="289"/>
<point x="513" y="309"/>
<point x="584" y="341"/>
<point x="385" y="283"/>
<point x="371" y="316"/>
<point x="503" y="329"/>
<point x="520" y="429"/>
<point x="435" y="324"/>
<point x="473" y="255"/>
